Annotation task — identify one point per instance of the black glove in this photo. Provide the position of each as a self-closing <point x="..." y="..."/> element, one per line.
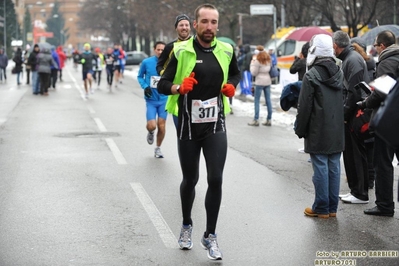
<point x="148" y="92"/>
<point x="361" y="105"/>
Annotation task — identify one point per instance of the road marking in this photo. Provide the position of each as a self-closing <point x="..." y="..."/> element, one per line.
<point x="115" y="151"/>
<point x="67" y="86"/>
<point x="100" y="125"/>
<point x="82" y="94"/>
<point x="2" y="121"/>
<point x="156" y="218"/>
<point x="91" y="110"/>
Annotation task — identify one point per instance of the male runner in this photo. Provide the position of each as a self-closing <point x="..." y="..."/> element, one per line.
<point x="86" y="59"/>
<point x="200" y="74"/>
<point x="155" y="102"/>
<point x="109" y="66"/>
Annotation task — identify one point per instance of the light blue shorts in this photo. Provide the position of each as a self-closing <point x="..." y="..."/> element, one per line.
<point x="154" y="108"/>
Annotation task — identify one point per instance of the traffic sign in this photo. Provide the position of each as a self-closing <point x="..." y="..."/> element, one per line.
<point x="262" y="9"/>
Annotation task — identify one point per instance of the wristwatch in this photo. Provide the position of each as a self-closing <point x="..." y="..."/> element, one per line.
<point x="178" y="88"/>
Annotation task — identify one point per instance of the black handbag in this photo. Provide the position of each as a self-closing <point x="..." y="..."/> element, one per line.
<point x="385" y="122"/>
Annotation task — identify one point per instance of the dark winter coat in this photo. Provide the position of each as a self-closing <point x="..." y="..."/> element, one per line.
<point x="320" y="118"/>
<point x="355" y="71"/>
<point x="32" y="60"/>
<point x="18" y="61"/>
<point x="371" y="68"/>
<point x="3" y="60"/>
<point x="299" y="66"/>
<point x="388" y="64"/>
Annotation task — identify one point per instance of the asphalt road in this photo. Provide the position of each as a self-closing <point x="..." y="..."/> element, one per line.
<point x="79" y="186"/>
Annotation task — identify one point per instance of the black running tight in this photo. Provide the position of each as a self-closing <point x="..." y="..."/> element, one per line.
<point x="99" y="77"/>
<point x="214" y="149"/>
<point x="110" y="76"/>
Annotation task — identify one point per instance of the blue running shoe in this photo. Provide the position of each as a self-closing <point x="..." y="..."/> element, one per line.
<point x="211" y="245"/>
<point x="185" y="237"/>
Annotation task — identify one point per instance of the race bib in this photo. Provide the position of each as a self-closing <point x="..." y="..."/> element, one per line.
<point x="204" y="111"/>
<point x="154" y="81"/>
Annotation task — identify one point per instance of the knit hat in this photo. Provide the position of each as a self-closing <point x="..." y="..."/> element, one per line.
<point x="360" y="42"/>
<point x="321" y="45"/>
<point x="180" y="18"/>
<point x="87" y="44"/>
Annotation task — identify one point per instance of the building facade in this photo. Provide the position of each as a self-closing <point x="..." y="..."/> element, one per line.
<point x="41" y="10"/>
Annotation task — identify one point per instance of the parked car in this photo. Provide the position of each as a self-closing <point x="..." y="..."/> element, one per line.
<point x="135" y="57"/>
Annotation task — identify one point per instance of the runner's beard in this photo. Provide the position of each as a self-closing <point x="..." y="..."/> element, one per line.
<point x="184" y="35"/>
<point x="206" y="39"/>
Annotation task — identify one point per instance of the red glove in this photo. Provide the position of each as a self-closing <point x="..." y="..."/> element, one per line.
<point x="188" y="84"/>
<point x="228" y="90"/>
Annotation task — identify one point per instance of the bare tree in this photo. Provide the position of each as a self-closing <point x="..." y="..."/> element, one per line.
<point x="103" y="16"/>
<point x="356" y="14"/>
<point x="146" y="21"/>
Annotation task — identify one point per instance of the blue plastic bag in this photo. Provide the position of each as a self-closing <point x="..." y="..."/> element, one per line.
<point x="246" y="83"/>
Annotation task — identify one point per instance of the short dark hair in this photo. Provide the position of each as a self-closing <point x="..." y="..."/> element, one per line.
<point x="386" y="37"/>
<point x="305" y="49"/>
<point x="341" y="39"/>
<point x="207" y="5"/>
<point x="157" y="43"/>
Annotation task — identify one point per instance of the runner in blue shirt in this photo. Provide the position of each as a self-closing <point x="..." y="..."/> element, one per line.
<point x="148" y="78"/>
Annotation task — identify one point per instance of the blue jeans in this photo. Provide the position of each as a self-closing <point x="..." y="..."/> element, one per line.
<point x="18" y="75"/>
<point x="326" y="179"/>
<point x="35" y="82"/>
<point x="258" y="92"/>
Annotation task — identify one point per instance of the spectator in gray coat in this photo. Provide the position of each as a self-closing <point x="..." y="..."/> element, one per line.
<point x="44" y="63"/>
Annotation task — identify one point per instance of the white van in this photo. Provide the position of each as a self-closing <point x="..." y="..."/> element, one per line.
<point x="286" y="52"/>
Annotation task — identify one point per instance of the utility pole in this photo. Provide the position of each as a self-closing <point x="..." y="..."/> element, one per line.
<point x="240" y="15"/>
<point x="5" y="28"/>
<point x="283" y="14"/>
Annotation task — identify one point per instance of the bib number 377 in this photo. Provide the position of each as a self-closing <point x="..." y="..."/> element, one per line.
<point x="204" y="111"/>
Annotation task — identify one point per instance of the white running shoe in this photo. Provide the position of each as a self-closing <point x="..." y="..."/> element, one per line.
<point x="158" y="153"/>
<point x="185" y="241"/>
<point x="344" y="195"/>
<point x="352" y="199"/>
<point x="211" y="245"/>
